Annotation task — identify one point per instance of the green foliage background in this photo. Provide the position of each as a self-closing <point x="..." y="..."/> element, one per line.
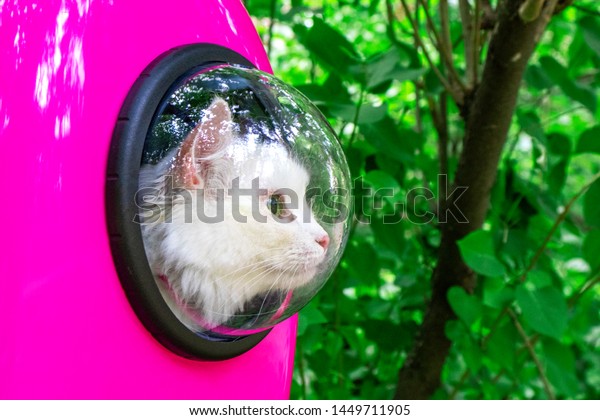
<point x="532" y="327"/>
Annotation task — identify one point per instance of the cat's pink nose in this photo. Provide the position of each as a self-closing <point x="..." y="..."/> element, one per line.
<point x="323" y="241"/>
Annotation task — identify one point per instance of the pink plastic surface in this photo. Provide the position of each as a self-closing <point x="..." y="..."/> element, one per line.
<point x="67" y="330"/>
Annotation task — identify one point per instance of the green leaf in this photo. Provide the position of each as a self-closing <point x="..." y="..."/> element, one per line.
<point x="311" y="338"/>
<point x="332" y="91"/>
<point x="373" y="6"/>
<point x="362" y="261"/>
<point x="560" y="368"/>
<point x="496" y="293"/>
<point x="558" y="157"/>
<point x="591" y="33"/>
<point x="389" y="235"/>
<point x="464" y="344"/>
<point x="553" y="69"/>
<point x="333" y="344"/>
<point x="355" y="158"/>
<point x="582" y="94"/>
<point x="579" y="51"/>
<point x="386" y="333"/>
<point x="477" y="250"/>
<point x="559" y="75"/>
<point x="591" y="205"/>
<point x="378" y="309"/>
<point x="536" y="76"/>
<point x="386" y="67"/>
<point x="591" y="249"/>
<point x="556" y="177"/>
<point x="516" y="247"/>
<point x="380" y="180"/>
<point x="378" y="69"/>
<point x="309" y="315"/>
<point x="589" y="141"/>
<point x="501" y="347"/>
<point x="471" y="353"/>
<point x="455" y="330"/>
<point x="329" y="46"/>
<point x="530" y="123"/>
<point x="261" y="8"/>
<point x="368" y="113"/>
<point x="558" y="144"/>
<point x="539" y="226"/>
<point x="398" y="144"/>
<point x="539" y="279"/>
<point x="355" y="338"/>
<point x="433" y="86"/>
<point x="467" y="307"/>
<point x="544" y="310"/>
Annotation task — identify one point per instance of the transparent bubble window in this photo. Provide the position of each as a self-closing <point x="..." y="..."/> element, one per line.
<point x="244" y="201"/>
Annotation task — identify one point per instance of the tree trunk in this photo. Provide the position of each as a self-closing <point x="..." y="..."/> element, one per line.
<point x="487" y="124"/>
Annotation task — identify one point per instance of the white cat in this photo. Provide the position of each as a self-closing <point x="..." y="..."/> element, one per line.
<point x="211" y="270"/>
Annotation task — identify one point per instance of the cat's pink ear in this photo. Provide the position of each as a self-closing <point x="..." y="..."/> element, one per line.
<point x="202" y="146"/>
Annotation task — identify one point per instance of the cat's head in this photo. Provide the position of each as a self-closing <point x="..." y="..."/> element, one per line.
<point x="251" y="230"/>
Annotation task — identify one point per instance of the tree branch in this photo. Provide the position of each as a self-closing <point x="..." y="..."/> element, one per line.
<point x="439" y="116"/>
<point x="444" y="48"/>
<point x="531" y="351"/>
<point x="467" y="23"/>
<point x="272" y="11"/>
<point x="445" y="40"/>
<point x="488" y="119"/>
<point x="359" y="104"/>
<point x="489" y="18"/>
<point x="476" y="42"/>
<point x="443" y="139"/>
<point x="456" y="94"/>
<point x="588" y="285"/>
<point x="390" y="22"/>
<point x="561" y="217"/>
<point x="431" y="25"/>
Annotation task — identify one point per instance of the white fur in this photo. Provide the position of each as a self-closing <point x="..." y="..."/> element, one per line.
<point x="215" y="268"/>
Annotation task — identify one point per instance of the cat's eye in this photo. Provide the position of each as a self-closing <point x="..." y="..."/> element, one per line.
<point x="204" y="269"/>
<point x="277" y="205"/>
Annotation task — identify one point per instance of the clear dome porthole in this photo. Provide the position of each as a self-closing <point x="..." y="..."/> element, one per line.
<point x="227" y="201"/>
<point x="244" y="201"/>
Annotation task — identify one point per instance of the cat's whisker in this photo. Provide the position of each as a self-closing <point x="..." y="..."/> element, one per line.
<point x="258" y="277"/>
<point x="274" y="263"/>
<point x="255" y="263"/>
<point x="290" y="280"/>
<point x="262" y="262"/>
<point x="290" y="271"/>
<point x="249" y="268"/>
<point x="243" y="279"/>
<point x="249" y="283"/>
<point x="267" y="294"/>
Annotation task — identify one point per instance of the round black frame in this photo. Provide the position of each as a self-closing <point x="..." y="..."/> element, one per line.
<point x="125" y="156"/>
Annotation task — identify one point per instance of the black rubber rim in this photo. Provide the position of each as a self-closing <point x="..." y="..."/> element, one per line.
<point x="125" y="156"/>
